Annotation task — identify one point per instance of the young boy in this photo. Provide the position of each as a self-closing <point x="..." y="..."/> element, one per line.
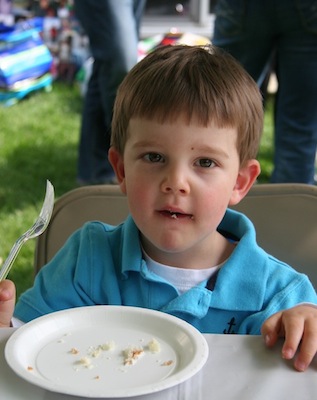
<point x="186" y="129"/>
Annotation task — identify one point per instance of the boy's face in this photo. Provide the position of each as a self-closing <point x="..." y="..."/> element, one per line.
<point x="179" y="180"/>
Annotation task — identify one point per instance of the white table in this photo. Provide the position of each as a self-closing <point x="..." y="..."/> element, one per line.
<point x="239" y="368"/>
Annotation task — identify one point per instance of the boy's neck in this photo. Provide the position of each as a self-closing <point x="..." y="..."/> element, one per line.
<point x="214" y="255"/>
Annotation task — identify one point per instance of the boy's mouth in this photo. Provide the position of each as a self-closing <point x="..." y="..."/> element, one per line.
<point x="176" y="215"/>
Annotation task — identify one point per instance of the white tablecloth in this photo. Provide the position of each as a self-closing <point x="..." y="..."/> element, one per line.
<point x="239" y="368"/>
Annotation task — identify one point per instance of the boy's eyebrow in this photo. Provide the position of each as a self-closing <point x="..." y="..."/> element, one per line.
<point x="213" y="150"/>
<point x="146" y="143"/>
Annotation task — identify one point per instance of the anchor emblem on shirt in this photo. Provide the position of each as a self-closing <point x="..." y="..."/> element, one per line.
<point x="231" y="324"/>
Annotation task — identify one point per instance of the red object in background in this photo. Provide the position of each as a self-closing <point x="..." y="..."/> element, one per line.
<point x="170" y="38"/>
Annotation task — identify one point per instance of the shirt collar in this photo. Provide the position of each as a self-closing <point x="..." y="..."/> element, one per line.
<point x="241" y="281"/>
<point x="131" y="252"/>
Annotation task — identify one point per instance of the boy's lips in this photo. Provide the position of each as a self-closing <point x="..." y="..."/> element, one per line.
<point x="175" y="214"/>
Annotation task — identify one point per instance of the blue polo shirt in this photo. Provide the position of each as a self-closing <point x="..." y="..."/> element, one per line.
<point x="103" y="264"/>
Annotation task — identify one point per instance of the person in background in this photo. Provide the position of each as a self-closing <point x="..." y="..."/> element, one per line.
<point x="257" y="31"/>
<point x="112" y="27"/>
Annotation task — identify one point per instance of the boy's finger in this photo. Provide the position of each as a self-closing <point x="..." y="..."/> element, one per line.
<point x="293" y="328"/>
<point x="271" y="329"/>
<point x="7" y="302"/>
<point x="7" y="290"/>
<point x="308" y="347"/>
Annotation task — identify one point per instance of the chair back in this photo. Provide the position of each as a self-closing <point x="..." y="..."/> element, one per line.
<point x="284" y="215"/>
<point x="285" y="218"/>
<point x="87" y="203"/>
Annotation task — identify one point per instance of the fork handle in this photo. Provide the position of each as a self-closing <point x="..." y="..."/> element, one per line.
<point x="5" y="269"/>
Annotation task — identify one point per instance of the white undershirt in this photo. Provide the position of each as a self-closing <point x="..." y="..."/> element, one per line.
<point x="182" y="278"/>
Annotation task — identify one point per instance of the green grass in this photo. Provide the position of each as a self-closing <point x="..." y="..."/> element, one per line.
<point x="266" y="148"/>
<point x="38" y="141"/>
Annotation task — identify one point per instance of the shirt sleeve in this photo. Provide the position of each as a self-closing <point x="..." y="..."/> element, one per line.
<point x="60" y="284"/>
<point x="299" y="291"/>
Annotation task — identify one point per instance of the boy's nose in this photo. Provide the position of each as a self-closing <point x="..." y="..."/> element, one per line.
<point x="176" y="181"/>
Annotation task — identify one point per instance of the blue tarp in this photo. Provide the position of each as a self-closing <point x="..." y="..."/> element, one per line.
<point x="23" y="55"/>
<point x="25" y="62"/>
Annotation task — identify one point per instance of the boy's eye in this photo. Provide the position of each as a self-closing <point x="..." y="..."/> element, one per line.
<point x="153" y="157"/>
<point x="205" y="163"/>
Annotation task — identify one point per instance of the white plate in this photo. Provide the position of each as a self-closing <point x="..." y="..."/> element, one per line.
<point x="42" y="351"/>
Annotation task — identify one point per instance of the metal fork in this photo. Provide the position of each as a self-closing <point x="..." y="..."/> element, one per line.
<point x="36" y="229"/>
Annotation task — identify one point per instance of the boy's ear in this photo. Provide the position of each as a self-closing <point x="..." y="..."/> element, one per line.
<point x="116" y="160"/>
<point x="245" y="179"/>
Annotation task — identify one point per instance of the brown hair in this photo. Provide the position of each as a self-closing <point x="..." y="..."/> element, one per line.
<point x="201" y="82"/>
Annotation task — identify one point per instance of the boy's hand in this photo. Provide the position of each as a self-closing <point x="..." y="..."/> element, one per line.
<point x="7" y="302"/>
<point x="299" y="327"/>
